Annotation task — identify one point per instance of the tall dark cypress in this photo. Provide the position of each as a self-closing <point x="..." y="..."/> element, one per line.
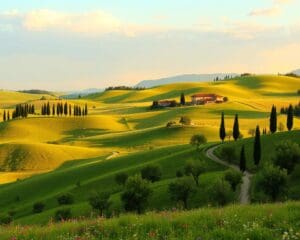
<point x="182" y="99"/>
<point x="222" y="128"/>
<point x="273" y="120"/>
<point x="4" y="116"/>
<point x="53" y="109"/>
<point x="243" y="159"/>
<point x="70" y="110"/>
<point x="86" y="110"/>
<point x="66" y="109"/>
<point x="236" y="128"/>
<point x="8" y="116"/>
<point x="290" y="118"/>
<point x="48" y="109"/>
<point x="257" y="147"/>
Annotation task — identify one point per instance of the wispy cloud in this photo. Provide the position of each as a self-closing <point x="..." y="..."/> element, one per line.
<point x="266" y="12"/>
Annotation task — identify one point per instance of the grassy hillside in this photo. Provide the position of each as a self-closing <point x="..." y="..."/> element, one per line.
<point x="264" y="222"/>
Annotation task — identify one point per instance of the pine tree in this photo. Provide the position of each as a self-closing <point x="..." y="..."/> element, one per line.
<point x="273" y="120"/>
<point x="243" y="159"/>
<point x="290" y="118"/>
<point x="222" y="128"/>
<point x="257" y="147"/>
<point x="236" y="128"/>
<point x="182" y="99"/>
<point x="4" y="116"/>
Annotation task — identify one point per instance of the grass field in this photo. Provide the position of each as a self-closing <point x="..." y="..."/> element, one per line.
<point x="53" y="155"/>
<point x="264" y="222"/>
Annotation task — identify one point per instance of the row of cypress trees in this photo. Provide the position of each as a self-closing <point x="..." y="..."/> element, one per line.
<point x="65" y="109"/>
<point x="21" y="111"/>
<point x="236" y="128"/>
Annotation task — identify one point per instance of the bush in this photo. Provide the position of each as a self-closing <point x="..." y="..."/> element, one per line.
<point x="185" y="120"/>
<point x="181" y="190"/>
<point x="287" y="155"/>
<point x="170" y="124"/>
<point x="179" y="173"/>
<point x="151" y="173"/>
<point x="198" y="139"/>
<point x="121" y="178"/>
<point x="234" y="178"/>
<point x="228" y="153"/>
<point x="5" y="219"/>
<point x="65" y="199"/>
<point x="136" y="194"/>
<point x="63" y="214"/>
<point x="38" y="207"/>
<point x="100" y="201"/>
<point x="221" y="193"/>
<point x="273" y="181"/>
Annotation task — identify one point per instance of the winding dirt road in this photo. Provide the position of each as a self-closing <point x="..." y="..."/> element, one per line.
<point x="245" y="187"/>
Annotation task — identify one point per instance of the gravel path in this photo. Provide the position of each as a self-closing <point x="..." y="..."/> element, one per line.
<point x="245" y="187"/>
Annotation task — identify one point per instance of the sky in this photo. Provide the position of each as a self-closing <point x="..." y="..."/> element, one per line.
<point x="66" y="45"/>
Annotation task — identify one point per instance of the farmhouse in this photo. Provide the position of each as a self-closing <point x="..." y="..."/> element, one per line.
<point x="203" y="98"/>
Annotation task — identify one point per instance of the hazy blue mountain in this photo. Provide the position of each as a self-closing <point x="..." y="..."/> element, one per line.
<point x="297" y="72"/>
<point x="82" y="93"/>
<point x="183" y="78"/>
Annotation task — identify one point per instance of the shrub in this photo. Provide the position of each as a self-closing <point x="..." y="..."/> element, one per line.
<point x="121" y="178"/>
<point x="198" y="139"/>
<point x="136" y="194"/>
<point x="228" y="153"/>
<point x="38" y="207"/>
<point x="221" y="193"/>
<point x="170" y="124"/>
<point x="234" y="178"/>
<point x="100" y="201"/>
<point x="179" y="173"/>
<point x="287" y="155"/>
<point x="181" y="190"/>
<point x="5" y="219"/>
<point x="63" y="214"/>
<point x="151" y="173"/>
<point x="273" y="181"/>
<point x="65" y="199"/>
<point x="185" y="120"/>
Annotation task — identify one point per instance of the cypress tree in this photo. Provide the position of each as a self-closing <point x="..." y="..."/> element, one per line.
<point x="4" y="116"/>
<point x="53" y="109"/>
<point x="8" y="116"/>
<point x="66" y="109"/>
<point x="243" y="159"/>
<point x="86" y="110"/>
<point x="290" y="118"/>
<point x="70" y="110"/>
<point x="273" y="120"/>
<point x="182" y="99"/>
<point x="222" y="128"/>
<point x="48" y="109"/>
<point x="236" y="128"/>
<point x="257" y="147"/>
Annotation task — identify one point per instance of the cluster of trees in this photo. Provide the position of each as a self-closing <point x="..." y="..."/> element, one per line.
<point x="21" y="111"/>
<point x="291" y="110"/>
<point x="227" y="77"/>
<point x="124" y="88"/>
<point x="65" y="109"/>
<point x="236" y="134"/>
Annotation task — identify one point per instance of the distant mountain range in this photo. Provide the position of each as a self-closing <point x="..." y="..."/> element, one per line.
<point x="82" y="93"/>
<point x="183" y="78"/>
<point x="297" y="72"/>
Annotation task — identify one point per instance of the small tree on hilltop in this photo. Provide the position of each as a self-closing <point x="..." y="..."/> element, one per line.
<point x="181" y="190"/>
<point x="273" y="120"/>
<point x="121" y="178"/>
<point x="151" y="173"/>
<point x="4" y="116"/>
<point x="236" y="128"/>
<point x="198" y="140"/>
<point x="136" y="194"/>
<point x="290" y="118"/>
<point x="222" y="128"/>
<point x="182" y="99"/>
<point x="257" y="147"/>
<point x="243" y="160"/>
<point x="185" y="120"/>
<point x="194" y="168"/>
<point x="100" y="202"/>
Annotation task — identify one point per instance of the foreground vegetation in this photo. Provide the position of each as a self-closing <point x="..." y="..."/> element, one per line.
<point x="255" y="222"/>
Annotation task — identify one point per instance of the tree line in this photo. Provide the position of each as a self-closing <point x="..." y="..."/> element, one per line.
<point x="65" y="109"/>
<point x="295" y="109"/>
<point x="124" y="88"/>
<point x="20" y="111"/>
